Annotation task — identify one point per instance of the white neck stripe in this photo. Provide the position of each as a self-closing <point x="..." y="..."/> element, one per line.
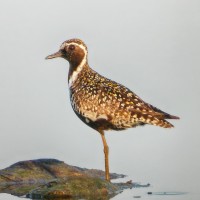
<point x="75" y="73"/>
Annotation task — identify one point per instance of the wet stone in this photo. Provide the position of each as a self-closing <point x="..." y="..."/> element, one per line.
<point x="54" y="179"/>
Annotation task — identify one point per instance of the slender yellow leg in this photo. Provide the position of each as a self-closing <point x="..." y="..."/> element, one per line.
<point x="106" y="152"/>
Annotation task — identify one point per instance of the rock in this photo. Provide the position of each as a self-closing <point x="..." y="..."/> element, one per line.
<point x="50" y="179"/>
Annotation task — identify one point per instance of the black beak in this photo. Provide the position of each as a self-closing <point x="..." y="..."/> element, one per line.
<point x="55" y="55"/>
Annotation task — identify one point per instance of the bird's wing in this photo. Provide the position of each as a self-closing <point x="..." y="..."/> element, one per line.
<point x="139" y="105"/>
<point x="129" y="101"/>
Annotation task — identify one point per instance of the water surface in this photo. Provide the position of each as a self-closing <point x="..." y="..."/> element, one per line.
<point x="153" y="192"/>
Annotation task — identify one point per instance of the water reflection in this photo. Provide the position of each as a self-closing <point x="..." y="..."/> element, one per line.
<point x="144" y="193"/>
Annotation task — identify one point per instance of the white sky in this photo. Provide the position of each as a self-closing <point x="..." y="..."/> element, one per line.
<point x="152" y="47"/>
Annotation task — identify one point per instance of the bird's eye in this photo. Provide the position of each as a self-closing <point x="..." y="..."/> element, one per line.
<point x="71" y="47"/>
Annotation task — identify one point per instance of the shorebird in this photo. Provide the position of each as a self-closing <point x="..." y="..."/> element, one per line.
<point x="101" y="103"/>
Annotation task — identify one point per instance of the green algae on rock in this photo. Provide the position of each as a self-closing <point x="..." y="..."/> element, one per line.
<point x="78" y="187"/>
<point x="50" y="178"/>
<point x="53" y="179"/>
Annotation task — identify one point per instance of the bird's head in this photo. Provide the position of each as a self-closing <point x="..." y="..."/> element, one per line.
<point x="73" y="50"/>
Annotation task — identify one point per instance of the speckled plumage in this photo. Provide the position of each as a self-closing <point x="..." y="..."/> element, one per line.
<point x="105" y="104"/>
<point x="102" y="103"/>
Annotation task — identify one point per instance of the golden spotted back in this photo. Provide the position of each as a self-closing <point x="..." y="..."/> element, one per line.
<point x="105" y="104"/>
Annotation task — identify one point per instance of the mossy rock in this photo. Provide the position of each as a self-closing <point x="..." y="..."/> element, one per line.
<point x="79" y="187"/>
<point x="50" y="178"/>
<point x="53" y="179"/>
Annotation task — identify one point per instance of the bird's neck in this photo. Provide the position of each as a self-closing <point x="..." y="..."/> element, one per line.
<point x="74" y="70"/>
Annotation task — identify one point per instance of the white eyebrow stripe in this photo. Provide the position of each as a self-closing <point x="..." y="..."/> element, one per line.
<point x="80" y="45"/>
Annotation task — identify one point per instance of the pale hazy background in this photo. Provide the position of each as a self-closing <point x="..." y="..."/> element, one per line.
<point x="151" y="46"/>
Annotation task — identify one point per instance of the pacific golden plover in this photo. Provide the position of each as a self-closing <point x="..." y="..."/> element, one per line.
<point x="102" y="103"/>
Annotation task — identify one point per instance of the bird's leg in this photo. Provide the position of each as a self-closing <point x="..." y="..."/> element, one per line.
<point x="106" y="151"/>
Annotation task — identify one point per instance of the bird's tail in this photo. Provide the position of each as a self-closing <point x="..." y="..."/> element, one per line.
<point x="157" y="118"/>
<point x="161" y="122"/>
<point x="168" y="116"/>
<point x="165" y="115"/>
